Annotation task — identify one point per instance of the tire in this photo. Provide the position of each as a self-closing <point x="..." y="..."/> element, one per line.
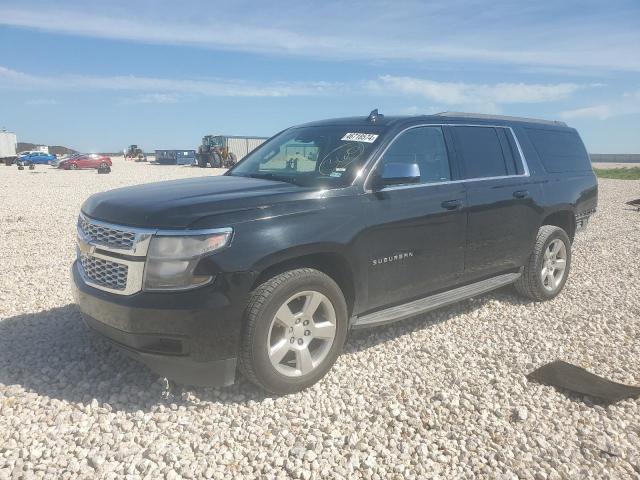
<point x="215" y="160"/>
<point x="542" y="278"/>
<point x="281" y="301"/>
<point x="231" y="160"/>
<point x="73" y="166"/>
<point x="103" y="165"/>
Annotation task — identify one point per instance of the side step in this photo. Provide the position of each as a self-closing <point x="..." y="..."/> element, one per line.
<point x="432" y="302"/>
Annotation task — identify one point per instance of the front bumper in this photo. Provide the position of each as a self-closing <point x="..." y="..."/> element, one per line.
<point x="190" y="337"/>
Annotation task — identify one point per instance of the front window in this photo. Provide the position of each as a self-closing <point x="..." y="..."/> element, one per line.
<point x="326" y="157"/>
<point x="424" y="147"/>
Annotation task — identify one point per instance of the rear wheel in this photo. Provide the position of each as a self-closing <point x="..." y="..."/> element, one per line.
<point x="296" y="325"/>
<point x="547" y="269"/>
<point x="73" y="166"/>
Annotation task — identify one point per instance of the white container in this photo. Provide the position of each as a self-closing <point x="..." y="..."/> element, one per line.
<point x="240" y="146"/>
<point x="8" y="143"/>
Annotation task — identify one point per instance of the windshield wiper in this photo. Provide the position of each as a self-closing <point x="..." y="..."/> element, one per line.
<point x="273" y="176"/>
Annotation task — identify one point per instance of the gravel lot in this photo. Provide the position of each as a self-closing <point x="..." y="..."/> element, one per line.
<point x="443" y="395"/>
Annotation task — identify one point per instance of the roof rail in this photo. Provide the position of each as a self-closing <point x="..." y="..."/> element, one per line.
<point x="484" y="116"/>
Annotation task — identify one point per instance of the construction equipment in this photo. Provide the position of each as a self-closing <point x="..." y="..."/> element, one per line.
<point x="223" y="151"/>
<point x="175" y="157"/>
<point x="135" y="153"/>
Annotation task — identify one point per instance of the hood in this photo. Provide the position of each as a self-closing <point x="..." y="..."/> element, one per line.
<point x="181" y="203"/>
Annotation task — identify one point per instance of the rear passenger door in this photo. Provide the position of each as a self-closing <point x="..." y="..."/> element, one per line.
<point x="502" y="213"/>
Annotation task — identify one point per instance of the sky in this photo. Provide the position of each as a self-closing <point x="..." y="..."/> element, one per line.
<point x="98" y="76"/>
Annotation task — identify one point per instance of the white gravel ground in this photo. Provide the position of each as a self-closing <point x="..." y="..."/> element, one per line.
<point x="442" y="396"/>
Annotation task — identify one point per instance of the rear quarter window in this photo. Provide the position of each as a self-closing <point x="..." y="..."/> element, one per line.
<point x="559" y="151"/>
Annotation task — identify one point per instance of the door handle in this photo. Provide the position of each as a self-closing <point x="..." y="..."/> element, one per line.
<point x="521" y="193"/>
<point x="451" y="204"/>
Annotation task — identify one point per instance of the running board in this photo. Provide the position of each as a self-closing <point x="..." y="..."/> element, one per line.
<point x="432" y="302"/>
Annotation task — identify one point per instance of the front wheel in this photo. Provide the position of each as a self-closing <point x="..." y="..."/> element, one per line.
<point x="73" y="166"/>
<point x="296" y="325"/>
<point x="547" y="269"/>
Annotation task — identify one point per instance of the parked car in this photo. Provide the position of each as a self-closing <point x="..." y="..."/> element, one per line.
<point x="85" y="160"/>
<point x="63" y="158"/>
<point x="326" y="227"/>
<point x="34" y="158"/>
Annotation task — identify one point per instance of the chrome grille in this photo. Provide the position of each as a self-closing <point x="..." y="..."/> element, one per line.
<point x="105" y="235"/>
<point x="104" y="273"/>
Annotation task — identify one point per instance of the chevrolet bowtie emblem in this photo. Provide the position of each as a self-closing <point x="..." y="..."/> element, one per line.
<point x="85" y="247"/>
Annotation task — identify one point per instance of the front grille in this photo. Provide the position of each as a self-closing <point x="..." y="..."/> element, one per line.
<point x="104" y="273"/>
<point x="105" y="235"/>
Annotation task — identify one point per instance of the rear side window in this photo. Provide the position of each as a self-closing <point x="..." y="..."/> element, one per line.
<point x="559" y="151"/>
<point x="482" y="152"/>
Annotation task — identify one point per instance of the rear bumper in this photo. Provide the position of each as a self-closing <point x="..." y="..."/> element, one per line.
<point x="190" y="337"/>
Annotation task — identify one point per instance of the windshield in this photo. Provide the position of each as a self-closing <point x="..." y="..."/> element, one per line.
<point x="327" y="157"/>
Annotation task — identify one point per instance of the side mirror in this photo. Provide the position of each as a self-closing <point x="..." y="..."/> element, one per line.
<point x="397" y="174"/>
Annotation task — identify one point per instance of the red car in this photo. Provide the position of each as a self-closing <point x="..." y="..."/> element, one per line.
<point x="88" y="160"/>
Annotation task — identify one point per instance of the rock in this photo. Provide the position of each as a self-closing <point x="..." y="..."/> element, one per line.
<point x="443" y="395"/>
<point x="520" y="414"/>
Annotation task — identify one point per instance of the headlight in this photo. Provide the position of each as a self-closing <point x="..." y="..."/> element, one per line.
<point x="172" y="259"/>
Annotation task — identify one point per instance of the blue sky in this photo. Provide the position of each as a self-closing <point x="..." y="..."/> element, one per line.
<point x="97" y="76"/>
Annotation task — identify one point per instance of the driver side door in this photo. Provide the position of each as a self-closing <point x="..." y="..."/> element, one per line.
<point x="417" y="243"/>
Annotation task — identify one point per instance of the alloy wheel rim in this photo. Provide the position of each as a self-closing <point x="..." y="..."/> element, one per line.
<point x="554" y="265"/>
<point x="301" y="333"/>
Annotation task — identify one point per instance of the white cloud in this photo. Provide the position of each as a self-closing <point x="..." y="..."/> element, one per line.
<point x="161" y="86"/>
<point x="531" y="35"/>
<point x="162" y="98"/>
<point x="482" y="96"/>
<point x="600" y="112"/>
<point x="629" y="104"/>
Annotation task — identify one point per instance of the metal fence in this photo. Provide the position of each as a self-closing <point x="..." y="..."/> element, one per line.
<point x="615" y="157"/>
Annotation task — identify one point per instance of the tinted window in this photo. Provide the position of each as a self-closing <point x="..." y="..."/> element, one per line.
<point x="559" y="151"/>
<point x="425" y="147"/>
<point x="481" y="152"/>
<point x="312" y="156"/>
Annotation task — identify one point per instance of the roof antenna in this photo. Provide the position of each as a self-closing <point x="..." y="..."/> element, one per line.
<point x="373" y="116"/>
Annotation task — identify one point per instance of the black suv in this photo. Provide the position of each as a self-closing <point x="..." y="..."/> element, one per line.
<point x="329" y="226"/>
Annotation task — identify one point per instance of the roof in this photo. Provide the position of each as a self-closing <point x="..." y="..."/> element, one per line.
<point x="386" y="121"/>
<point x="503" y="118"/>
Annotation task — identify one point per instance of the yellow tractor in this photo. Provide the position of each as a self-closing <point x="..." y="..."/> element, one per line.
<point x="214" y="151"/>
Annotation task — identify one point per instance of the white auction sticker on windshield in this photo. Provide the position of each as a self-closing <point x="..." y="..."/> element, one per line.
<point x="360" y="137"/>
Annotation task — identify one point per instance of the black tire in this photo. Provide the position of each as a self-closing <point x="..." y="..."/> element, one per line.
<point x="263" y="304"/>
<point x="530" y="283"/>
<point x="215" y="160"/>
<point x="202" y="163"/>
<point x="73" y="166"/>
<point x="231" y="160"/>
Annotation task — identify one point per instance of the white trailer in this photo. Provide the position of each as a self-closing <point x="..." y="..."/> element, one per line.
<point x="41" y="148"/>
<point x="8" y="144"/>
<point x="240" y="146"/>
